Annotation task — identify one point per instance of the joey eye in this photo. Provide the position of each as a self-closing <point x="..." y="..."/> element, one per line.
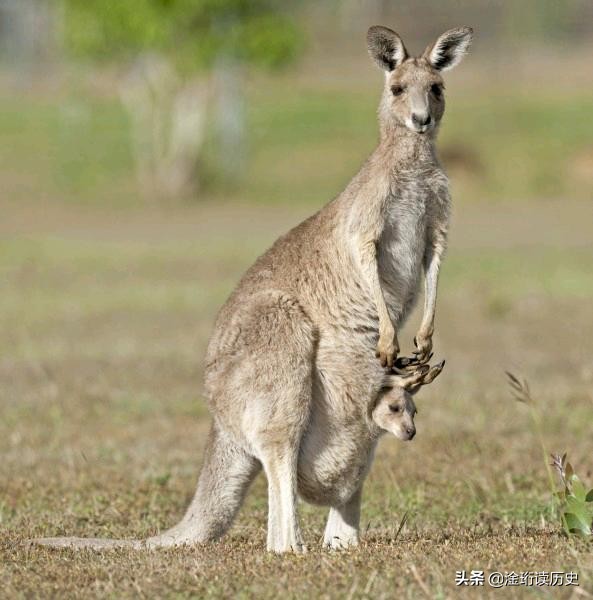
<point x="397" y="90"/>
<point x="437" y="90"/>
<point x="394" y="408"/>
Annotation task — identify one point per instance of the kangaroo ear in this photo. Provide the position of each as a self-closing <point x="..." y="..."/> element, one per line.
<point x="386" y="47"/>
<point x="449" y="49"/>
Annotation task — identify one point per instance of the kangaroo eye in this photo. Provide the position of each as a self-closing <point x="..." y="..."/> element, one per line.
<point x="394" y="408"/>
<point x="437" y="90"/>
<point x="397" y="90"/>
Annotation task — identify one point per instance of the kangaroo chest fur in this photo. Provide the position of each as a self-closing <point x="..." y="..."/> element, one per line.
<point x="415" y="199"/>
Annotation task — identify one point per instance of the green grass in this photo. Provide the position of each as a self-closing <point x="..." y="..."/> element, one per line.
<point x="77" y="147"/>
<point x="305" y="141"/>
<point x="511" y="274"/>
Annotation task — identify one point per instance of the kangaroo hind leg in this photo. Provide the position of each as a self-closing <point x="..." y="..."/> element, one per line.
<point x="279" y="409"/>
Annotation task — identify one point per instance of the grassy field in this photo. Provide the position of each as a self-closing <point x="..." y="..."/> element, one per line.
<point x="516" y="143"/>
<point x="105" y="315"/>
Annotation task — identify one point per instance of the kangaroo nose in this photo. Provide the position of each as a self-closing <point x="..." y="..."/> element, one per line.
<point x="411" y="431"/>
<point x="421" y="119"/>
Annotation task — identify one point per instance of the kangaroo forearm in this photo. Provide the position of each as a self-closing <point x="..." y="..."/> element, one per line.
<point x="387" y="344"/>
<point x="432" y="264"/>
<point x="430" y="299"/>
<point x="386" y="326"/>
<point x="371" y="268"/>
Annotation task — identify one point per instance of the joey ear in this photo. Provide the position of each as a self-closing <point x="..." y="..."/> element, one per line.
<point x="386" y="47"/>
<point x="449" y="48"/>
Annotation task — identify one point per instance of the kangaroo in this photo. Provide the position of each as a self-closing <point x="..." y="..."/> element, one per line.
<point x="395" y="409"/>
<point x="305" y="345"/>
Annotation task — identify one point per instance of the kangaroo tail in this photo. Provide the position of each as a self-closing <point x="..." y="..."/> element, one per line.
<point x="226" y="475"/>
<point x="77" y="543"/>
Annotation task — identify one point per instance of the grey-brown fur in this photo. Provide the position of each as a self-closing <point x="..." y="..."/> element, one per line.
<point x="299" y="352"/>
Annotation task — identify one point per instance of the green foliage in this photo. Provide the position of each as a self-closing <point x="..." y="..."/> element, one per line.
<point x="575" y="502"/>
<point x="105" y="28"/>
<point x="194" y="33"/>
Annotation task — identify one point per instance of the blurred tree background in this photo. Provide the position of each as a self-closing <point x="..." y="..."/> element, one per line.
<point x="182" y="56"/>
<point x="270" y="100"/>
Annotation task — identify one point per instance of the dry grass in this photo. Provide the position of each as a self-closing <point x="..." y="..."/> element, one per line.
<point x="104" y="320"/>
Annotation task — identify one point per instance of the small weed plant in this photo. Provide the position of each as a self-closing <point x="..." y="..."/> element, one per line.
<point x="574" y="503"/>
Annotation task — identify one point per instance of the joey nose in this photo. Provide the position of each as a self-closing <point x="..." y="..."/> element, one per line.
<point x="421" y="119"/>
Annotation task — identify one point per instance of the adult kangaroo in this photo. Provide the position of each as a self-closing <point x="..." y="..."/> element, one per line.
<point x="302" y="349"/>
